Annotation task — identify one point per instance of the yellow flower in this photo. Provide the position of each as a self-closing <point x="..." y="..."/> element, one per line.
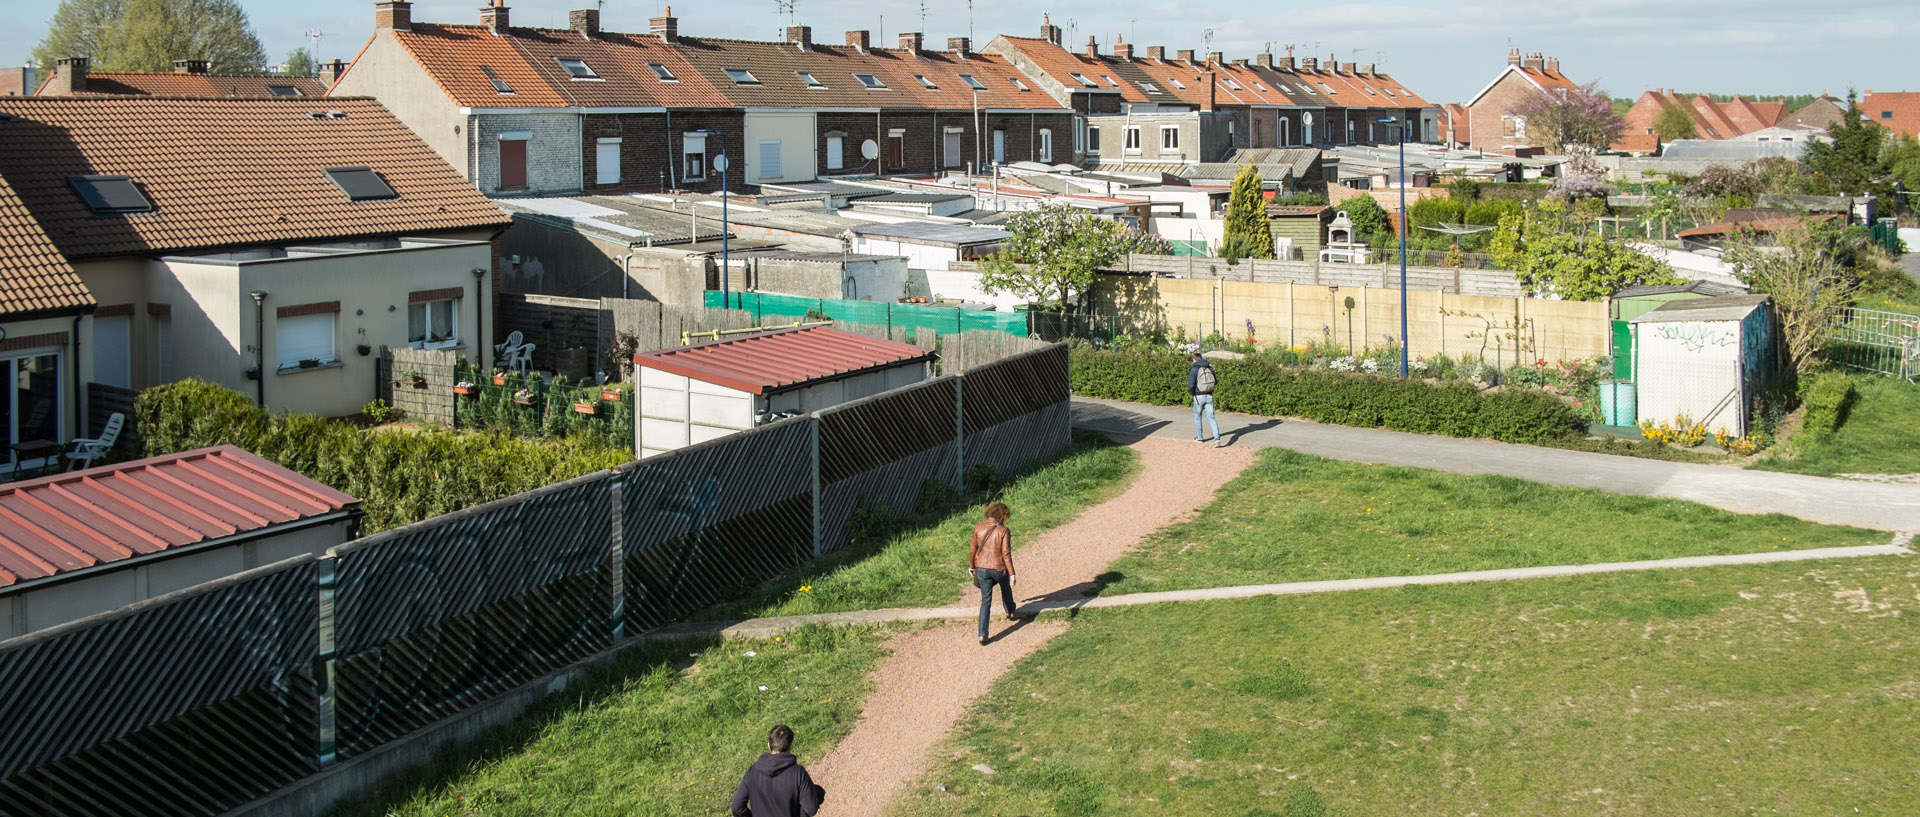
<point x="805" y="588"/>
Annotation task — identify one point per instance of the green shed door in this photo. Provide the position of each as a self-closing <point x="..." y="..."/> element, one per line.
<point x="1622" y="350"/>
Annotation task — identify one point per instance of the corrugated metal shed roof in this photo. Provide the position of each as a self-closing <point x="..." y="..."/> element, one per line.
<point x="782" y="359"/>
<point x="927" y="231"/>
<point x="1721" y="308"/>
<point x="88" y="518"/>
<point x="1708" y="288"/>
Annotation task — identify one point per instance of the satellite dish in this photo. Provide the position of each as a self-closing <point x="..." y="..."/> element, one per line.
<point x="869" y="150"/>
<point x="720" y="163"/>
<point x="1307" y="117"/>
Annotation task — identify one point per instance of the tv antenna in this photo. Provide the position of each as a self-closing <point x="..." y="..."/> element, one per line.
<point x="313" y="50"/>
<point x="785" y="7"/>
<point x="1206" y="40"/>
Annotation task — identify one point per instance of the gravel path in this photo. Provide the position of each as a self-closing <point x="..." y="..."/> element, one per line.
<point x="925" y="686"/>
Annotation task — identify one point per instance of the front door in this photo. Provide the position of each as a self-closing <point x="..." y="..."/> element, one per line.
<point x="950" y="149"/>
<point x="1000" y="146"/>
<point x="896" y="150"/>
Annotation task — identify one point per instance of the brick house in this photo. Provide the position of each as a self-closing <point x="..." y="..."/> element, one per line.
<point x="1491" y="124"/>
<point x="1899" y="112"/>
<point x="43" y="303"/>
<point x="1711" y="119"/>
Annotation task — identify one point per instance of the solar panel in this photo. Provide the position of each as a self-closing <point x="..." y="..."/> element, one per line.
<point x="360" y="183"/>
<point x="110" y="194"/>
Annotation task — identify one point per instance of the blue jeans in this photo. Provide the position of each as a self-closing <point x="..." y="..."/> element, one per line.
<point x="985" y="580"/>
<point x="1203" y="404"/>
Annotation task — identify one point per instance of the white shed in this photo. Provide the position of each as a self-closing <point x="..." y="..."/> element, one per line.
<point x="1704" y="358"/>
<point x="696" y="393"/>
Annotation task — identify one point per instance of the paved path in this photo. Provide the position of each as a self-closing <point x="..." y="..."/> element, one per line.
<point x="1834" y="501"/>
<point x="769" y="627"/>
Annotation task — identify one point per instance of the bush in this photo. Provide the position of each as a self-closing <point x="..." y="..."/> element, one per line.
<point x="1488" y="213"/>
<point x="1431" y="211"/>
<point x="401" y="477"/>
<point x="1827" y="396"/>
<point x="1266" y="387"/>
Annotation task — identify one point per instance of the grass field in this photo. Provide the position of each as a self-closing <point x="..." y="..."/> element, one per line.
<point x="658" y="732"/>
<point x="925" y="564"/>
<point x="1295" y="517"/>
<point x="1881" y="435"/>
<point x="1770" y="689"/>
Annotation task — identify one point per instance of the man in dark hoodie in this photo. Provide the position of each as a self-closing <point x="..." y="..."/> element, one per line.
<point x="777" y="785"/>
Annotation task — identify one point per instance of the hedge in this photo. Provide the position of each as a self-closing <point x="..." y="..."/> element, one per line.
<point x="401" y="475"/>
<point x="1254" y="386"/>
<point x="1827" y="397"/>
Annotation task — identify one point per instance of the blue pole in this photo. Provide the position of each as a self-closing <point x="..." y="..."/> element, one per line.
<point x="1403" y="249"/>
<point x="727" y="230"/>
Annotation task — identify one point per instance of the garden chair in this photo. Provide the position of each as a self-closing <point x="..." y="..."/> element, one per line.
<point x="514" y="338"/>
<point x="85" y="451"/>
<point x="519" y="358"/>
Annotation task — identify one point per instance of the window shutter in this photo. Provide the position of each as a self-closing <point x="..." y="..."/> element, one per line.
<point x="769" y="159"/>
<point x="112" y="349"/>
<point x="606" y="162"/>
<point x="304" y="337"/>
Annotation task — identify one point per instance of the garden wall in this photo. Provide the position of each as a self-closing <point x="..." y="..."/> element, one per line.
<point x="1464" y="281"/>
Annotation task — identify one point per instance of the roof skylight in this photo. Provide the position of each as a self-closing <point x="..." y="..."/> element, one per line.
<point x="741" y="76"/>
<point x="360" y="183"/>
<point x="577" y="69"/>
<point x="283" y="90"/>
<point x="498" y="85"/>
<point x="869" y="80"/>
<point x="807" y="77"/>
<point x="664" y="73"/>
<point x="1177" y="83"/>
<point x="927" y="82"/>
<point x="1021" y="85"/>
<point x="110" y="194"/>
<point x="1082" y="79"/>
<point x="973" y="82"/>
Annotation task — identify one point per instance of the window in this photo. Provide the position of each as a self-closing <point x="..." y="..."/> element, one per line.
<point x="360" y="183"/>
<point x="1886" y="115"/>
<point x="999" y="146"/>
<point x="1260" y="87"/>
<point x="836" y="151"/>
<point x="576" y="69"/>
<point x="1403" y="92"/>
<point x="1093" y="139"/>
<point x="1328" y="88"/>
<point x="513" y="160"/>
<point x="110" y="194"/>
<point x="433" y="324"/>
<point x="769" y="159"/>
<point x="1169" y="138"/>
<point x="1079" y="135"/>
<point x="809" y="80"/>
<point x="30" y="408"/>
<point x="870" y="81"/>
<point x="926" y="82"/>
<point x="1046" y="144"/>
<point x="304" y="338"/>
<point x="112" y="350"/>
<point x="283" y="90"/>
<point x="606" y="160"/>
<point x="1349" y="131"/>
<point x="896" y="147"/>
<point x="1082" y="79"/>
<point x="661" y="71"/>
<point x="741" y="76"/>
<point x="1369" y="90"/>
<point x="499" y="86"/>
<point x="1021" y="85"/>
<point x="1132" y="138"/>
<point x="1149" y="87"/>
<point x="1232" y="84"/>
<point x="1177" y="83"/>
<point x="1388" y="90"/>
<point x="973" y="82"/>
<point x="694" y="148"/>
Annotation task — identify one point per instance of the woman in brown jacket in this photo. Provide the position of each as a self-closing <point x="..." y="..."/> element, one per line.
<point x="991" y="563"/>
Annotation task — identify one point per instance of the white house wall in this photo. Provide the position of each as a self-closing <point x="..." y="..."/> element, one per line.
<point x="794" y="131"/>
<point x="386" y="70"/>
<point x="1690" y="368"/>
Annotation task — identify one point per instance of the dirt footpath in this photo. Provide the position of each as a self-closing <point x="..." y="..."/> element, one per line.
<point x="923" y="689"/>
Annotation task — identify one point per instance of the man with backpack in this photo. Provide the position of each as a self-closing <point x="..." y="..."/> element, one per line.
<point x="777" y="785"/>
<point x="1200" y="383"/>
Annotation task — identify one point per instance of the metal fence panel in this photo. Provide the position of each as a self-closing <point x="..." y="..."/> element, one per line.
<point x="1876" y="341"/>
<point x="187" y="704"/>
<point x="882" y="450"/>
<point x="1016" y="386"/>
<point x="1011" y="445"/>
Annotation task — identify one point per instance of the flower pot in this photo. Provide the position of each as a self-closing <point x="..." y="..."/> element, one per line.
<point x="524" y="401"/>
<point x="466" y="388"/>
<point x="364" y="349"/>
<point x="610" y="395"/>
<point x="586" y="406"/>
<point x="499" y="380"/>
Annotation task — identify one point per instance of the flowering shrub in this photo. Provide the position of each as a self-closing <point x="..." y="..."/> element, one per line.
<point x="1738" y="446"/>
<point x="1684" y="432"/>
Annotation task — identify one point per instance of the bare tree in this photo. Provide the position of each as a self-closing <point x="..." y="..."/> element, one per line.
<point x="1803" y="274"/>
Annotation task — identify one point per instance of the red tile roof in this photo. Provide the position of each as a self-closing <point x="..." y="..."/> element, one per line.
<point x="1898" y="111"/>
<point x="454" y="56"/>
<point x="527" y="61"/>
<point x="168" y="83"/>
<point x="781" y="359"/>
<point x="1547" y="79"/>
<point x="1711" y="119"/>
<point x="102" y="515"/>
<point x="33" y="275"/>
<point x="227" y="172"/>
<point x="777" y="65"/>
<point x="1637" y="142"/>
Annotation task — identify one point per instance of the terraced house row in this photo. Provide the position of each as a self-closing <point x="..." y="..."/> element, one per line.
<point x="541" y="111"/>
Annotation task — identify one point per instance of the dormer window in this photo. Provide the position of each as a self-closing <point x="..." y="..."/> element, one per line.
<point x="110" y="194"/>
<point x="809" y="80"/>
<point x="870" y="81"/>
<point x="499" y="85"/>
<point x="926" y="82"/>
<point x="973" y="82"/>
<point x="741" y="76"/>
<point x="664" y="73"/>
<point x="576" y="69"/>
<point x="1021" y="85"/>
<point x="1082" y="79"/>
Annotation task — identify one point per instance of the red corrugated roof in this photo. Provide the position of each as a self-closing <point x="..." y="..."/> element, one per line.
<point x="780" y="359"/>
<point x="88" y="518"/>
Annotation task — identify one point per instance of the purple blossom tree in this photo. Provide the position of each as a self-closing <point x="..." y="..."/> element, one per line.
<point x="1559" y="117"/>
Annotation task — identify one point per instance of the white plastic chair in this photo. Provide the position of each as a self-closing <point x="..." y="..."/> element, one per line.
<point x="85" y="451"/>
<point x="513" y="342"/>
<point x="519" y="357"/>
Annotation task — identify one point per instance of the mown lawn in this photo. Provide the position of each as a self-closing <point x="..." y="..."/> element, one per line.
<point x="1296" y="517"/>
<point x="658" y="732"/>
<point x="1881" y="435"/>
<point x="925" y="564"/>
<point x="1768" y="689"/>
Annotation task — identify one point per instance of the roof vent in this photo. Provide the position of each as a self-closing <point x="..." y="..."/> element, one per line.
<point x="316" y="114"/>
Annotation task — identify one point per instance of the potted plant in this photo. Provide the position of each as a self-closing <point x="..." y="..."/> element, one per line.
<point x="586" y="406"/>
<point x="414" y="379"/>
<point x="364" y="349"/>
<point x="465" y="387"/>
<point x="523" y="397"/>
<point x="309" y="362"/>
<point x="500" y="377"/>
<point x="611" y="394"/>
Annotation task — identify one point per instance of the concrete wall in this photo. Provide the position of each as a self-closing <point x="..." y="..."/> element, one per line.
<point x="794" y="131"/>
<point x="553" y="152"/>
<point x="862" y="279"/>
<point x="385" y="71"/>
<point x="39" y="605"/>
<point x="1296" y="314"/>
<point x="673" y="412"/>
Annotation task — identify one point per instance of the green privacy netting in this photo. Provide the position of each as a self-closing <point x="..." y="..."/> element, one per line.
<point x="771" y="308"/>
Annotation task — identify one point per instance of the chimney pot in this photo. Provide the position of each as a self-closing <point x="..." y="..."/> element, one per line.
<point x="1513" y="56"/>
<point x="585" y="21"/>
<point x="396" y="15"/>
<point x="960" y="46"/>
<point x="666" y="26"/>
<point x="1185" y="54"/>
<point x="1122" y="49"/>
<point x="860" y="40"/>
<point x="189" y="66"/>
<point x="1093" y="48"/>
<point x="1049" y="31"/>
<point x="911" y="42"/>
<point x="494" y="17"/>
<point x="801" y="36"/>
<point x="1534" y="62"/>
<point x="1157" y="52"/>
<point x="330" y="72"/>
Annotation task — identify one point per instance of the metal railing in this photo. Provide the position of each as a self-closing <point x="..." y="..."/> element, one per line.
<point x="1876" y="341"/>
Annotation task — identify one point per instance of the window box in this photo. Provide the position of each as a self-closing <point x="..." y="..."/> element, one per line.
<point x="523" y="397"/>
<point x="611" y="395"/>
<point x="465" y="387"/>
<point x="586" y="407"/>
<point x="499" y="378"/>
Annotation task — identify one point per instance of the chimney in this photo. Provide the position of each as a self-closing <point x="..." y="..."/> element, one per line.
<point x="1217" y="57"/>
<point x="1093" y="48"/>
<point x="1333" y="66"/>
<point x="1157" y="52"/>
<point x="585" y="21"/>
<point x="1284" y="63"/>
<point x="1185" y="54"/>
<point x="393" y="14"/>
<point x="860" y="40"/>
<point x="666" y="26"/>
<point x="801" y="37"/>
<point x="1213" y="90"/>
<point x="1366" y="68"/>
<point x="189" y="66"/>
<point x="330" y="72"/>
<point x="1264" y="59"/>
<point x="1122" y="49"/>
<point x="960" y="46"/>
<point x="1309" y="63"/>
<point x="1553" y="64"/>
<point x="911" y="42"/>
<point x="1049" y="31"/>
<point x="1534" y="62"/>
<point x="1513" y="56"/>
<point x="494" y="17"/>
<point x="69" y="77"/>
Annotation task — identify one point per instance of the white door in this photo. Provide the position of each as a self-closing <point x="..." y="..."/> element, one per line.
<point x="1000" y="146"/>
<point x="112" y="351"/>
<point x="836" y="156"/>
<point x="606" y="162"/>
<point x="1046" y="145"/>
<point x="769" y="159"/>
<point x="950" y="149"/>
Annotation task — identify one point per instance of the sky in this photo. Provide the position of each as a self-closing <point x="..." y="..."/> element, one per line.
<point x="1446" y="50"/>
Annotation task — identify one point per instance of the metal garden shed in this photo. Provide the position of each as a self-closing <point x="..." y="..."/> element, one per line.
<point x="1704" y="358"/>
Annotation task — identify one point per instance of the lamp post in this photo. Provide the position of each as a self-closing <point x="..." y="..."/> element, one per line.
<point x="1400" y="127"/>
<point x="725" y="228"/>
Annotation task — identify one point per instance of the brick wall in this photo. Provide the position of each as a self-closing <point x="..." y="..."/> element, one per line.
<point x="553" y="154"/>
<point x="652" y="147"/>
<point x="1485" y="114"/>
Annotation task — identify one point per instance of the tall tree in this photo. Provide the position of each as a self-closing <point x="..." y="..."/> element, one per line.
<point x="1056" y="249"/>
<point x="1673" y="122"/>
<point x="1551" y="251"/>
<point x="1851" y="159"/>
<point x="148" y="35"/>
<point x="299" y="64"/>
<point x="1247" y="234"/>
<point x="1802" y="273"/>
<point x="1559" y="117"/>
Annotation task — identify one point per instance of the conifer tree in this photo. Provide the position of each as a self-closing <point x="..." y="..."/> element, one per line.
<point x="1247" y="234"/>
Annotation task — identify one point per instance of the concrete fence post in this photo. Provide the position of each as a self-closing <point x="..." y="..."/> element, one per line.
<point x="813" y="453"/>
<point x="323" y="666"/>
<point x="617" y="554"/>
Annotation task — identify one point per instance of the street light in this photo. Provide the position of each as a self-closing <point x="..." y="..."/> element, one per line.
<point x="1402" y="140"/>
<point x="725" y="228"/>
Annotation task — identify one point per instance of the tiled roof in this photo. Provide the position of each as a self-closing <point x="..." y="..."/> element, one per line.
<point x="618" y="61"/>
<point x="1904" y="107"/>
<point x="454" y="57"/>
<point x="1058" y="63"/>
<point x="1711" y="119"/>
<point x="1819" y="113"/>
<point x="1548" y="79"/>
<point x="102" y="515"/>
<point x="1637" y="142"/>
<point x="226" y="172"/>
<point x="781" y="359"/>
<point x="777" y="67"/>
<point x="33" y="275"/>
<point x="168" y="83"/>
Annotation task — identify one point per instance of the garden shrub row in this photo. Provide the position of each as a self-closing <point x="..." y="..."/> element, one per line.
<point x="402" y="475"/>
<point x="1254" y="386"/>
<point x="1827" y="396"/>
